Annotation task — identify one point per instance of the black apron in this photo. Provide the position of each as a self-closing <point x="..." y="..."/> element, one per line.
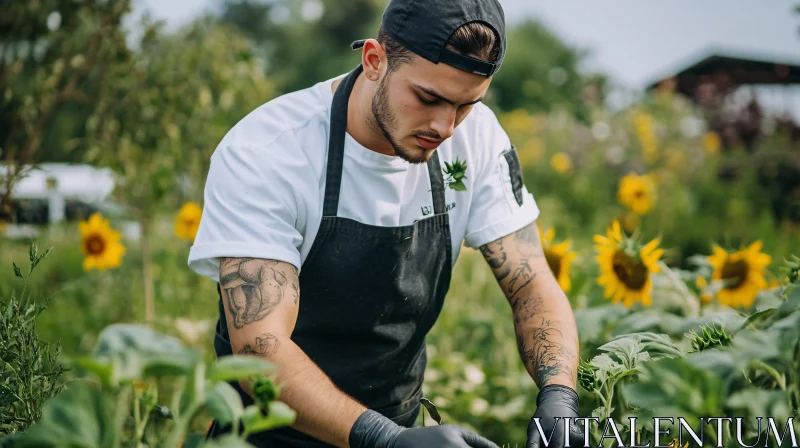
<point x="368" y="297"/>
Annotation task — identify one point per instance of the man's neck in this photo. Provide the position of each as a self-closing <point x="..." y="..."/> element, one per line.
<point x="359" y="114"/>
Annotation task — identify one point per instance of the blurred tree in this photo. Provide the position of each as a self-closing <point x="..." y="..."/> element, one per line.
<point x="539" y="73"/>
<point x="163" y="112"/>
<point x="305" y="41"/>
<point x="54" y="54"/>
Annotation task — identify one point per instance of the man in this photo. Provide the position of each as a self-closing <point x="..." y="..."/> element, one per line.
<point x="332" y="232"/>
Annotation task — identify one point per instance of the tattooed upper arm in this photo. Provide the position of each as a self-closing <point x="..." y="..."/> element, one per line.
<point x="516" y="259"/>
<point x="261" y="299"/>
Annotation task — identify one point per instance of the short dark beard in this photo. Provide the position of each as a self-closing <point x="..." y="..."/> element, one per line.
<point x="384" y="119"/>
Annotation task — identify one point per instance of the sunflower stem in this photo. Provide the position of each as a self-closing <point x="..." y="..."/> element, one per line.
<point x="147" y="269"/>
<point x="692" y="302"/>
<point x="779" y="379"/>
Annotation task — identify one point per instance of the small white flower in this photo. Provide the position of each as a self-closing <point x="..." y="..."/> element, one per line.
<point x="474" y="375"/>
<point x="191" y="331"/>
<point x="601" y="130"/>
<point x="692" y="126"/>
<point x="479" y="406"/>
<point x="431" y="374"/>
<point x="615" y="155"/>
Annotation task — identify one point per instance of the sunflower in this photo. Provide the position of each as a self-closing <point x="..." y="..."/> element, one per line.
<point x="702" y="285"/>
<point x="626" y="267"/>
<point x="711" y="142"/>
<point x="676" y="444"/>
<point x="637" y="193"/>
<point x="100" y="244"/>
<point x="741" y="274"/>
<point x="645" y="131"/>
<point x="561" y="162"/>
<point x="531" y="152"/>
<point x="559" y="257"/>
<point x="188" y="220"/>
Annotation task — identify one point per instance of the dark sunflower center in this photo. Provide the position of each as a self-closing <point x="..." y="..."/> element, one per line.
<point x="95" y="245"/>
<point x="638" y="194"/>
<point x="554" y="261"/>
<point x="734" y="273"/>
<point x="632" y="273"/>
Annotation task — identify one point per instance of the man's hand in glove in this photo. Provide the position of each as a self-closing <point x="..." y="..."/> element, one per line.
<point x="373" y="430"/>
<point x="554" y="401"/>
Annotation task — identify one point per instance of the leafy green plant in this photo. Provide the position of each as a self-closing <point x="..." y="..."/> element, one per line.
<point x="456" y="173"/>
<point x="709" y="337"/>
<point x="622" y="360"/>
<point x="755" y="374"/>
<point x="113" y="408"/>
<point x="29" y="371"/>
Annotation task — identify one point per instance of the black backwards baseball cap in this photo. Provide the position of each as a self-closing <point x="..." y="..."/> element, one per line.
<point x="425" y="26"/>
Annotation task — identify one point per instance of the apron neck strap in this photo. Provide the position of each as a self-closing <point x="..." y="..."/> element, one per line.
<point x="336" y="140"/>
<point x="437" y="183"/>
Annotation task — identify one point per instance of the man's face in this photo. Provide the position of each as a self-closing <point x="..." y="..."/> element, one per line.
<point x="419" y="104"/>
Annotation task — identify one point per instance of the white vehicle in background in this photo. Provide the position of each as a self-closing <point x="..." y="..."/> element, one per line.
<point x="50" y="193"/>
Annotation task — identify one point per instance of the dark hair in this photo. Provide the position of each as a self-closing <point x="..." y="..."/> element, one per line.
<point x="474" y="39"/>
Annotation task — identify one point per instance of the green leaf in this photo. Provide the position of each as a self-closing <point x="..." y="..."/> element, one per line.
<point x="78" y="417"/>
<point x="235" y="367"/>
<point x="194" y="441"/>
<point x="265" y="390"/>
<point x="431" y="410"/>
<point x="17" y="271"/>
<point x="758" y="317"/>
<point x="647" y="321"/>
<point x="34" y="251"/>
<point x="279" y="415"/>
<point x="606" y="367"/>
<point x="657" y="345"/>
<point x="224" y="404"/>
<point x="103" y="369"/>
<point x="674" y="384"/>
<point x="760" y="402"/>
<point x="136" y="352"/>
<point x="604" y="362"/>
<point x="41" y="257"/>
<point x="458" y="186"/>
<point x="227" y="441"/>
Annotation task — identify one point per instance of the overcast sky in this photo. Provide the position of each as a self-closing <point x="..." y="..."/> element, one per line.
<point x="634" y="41"/>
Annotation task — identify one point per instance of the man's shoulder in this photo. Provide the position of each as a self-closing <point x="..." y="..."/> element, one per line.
<point x="286" y="114"/>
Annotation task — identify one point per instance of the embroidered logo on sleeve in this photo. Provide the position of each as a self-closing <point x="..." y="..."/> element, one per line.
<point x="456" y="173"/>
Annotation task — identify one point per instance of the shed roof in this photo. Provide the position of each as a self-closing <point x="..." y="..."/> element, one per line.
<point x="732" y="69"/>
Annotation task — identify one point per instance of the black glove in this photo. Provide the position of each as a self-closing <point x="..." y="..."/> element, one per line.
<point x="555" y="400"/>
<point x="373" y="430"/>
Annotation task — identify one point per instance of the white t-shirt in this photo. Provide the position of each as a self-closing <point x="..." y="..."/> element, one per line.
<point x="266" y="184"/>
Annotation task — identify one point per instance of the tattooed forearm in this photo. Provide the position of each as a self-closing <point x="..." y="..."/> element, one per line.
<point x="526" y="307"/>
<point x="523" y="274"/>
<point x="546" y="334"/>
<point x="544" y="353"/>
<point x="510" y="258"/>
<point x="266" y="345"/>
<point x="252" y="288"/>
<point x="496" y="257"/>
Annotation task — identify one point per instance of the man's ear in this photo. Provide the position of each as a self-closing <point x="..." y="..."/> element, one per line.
<point x="373" y="59"/>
